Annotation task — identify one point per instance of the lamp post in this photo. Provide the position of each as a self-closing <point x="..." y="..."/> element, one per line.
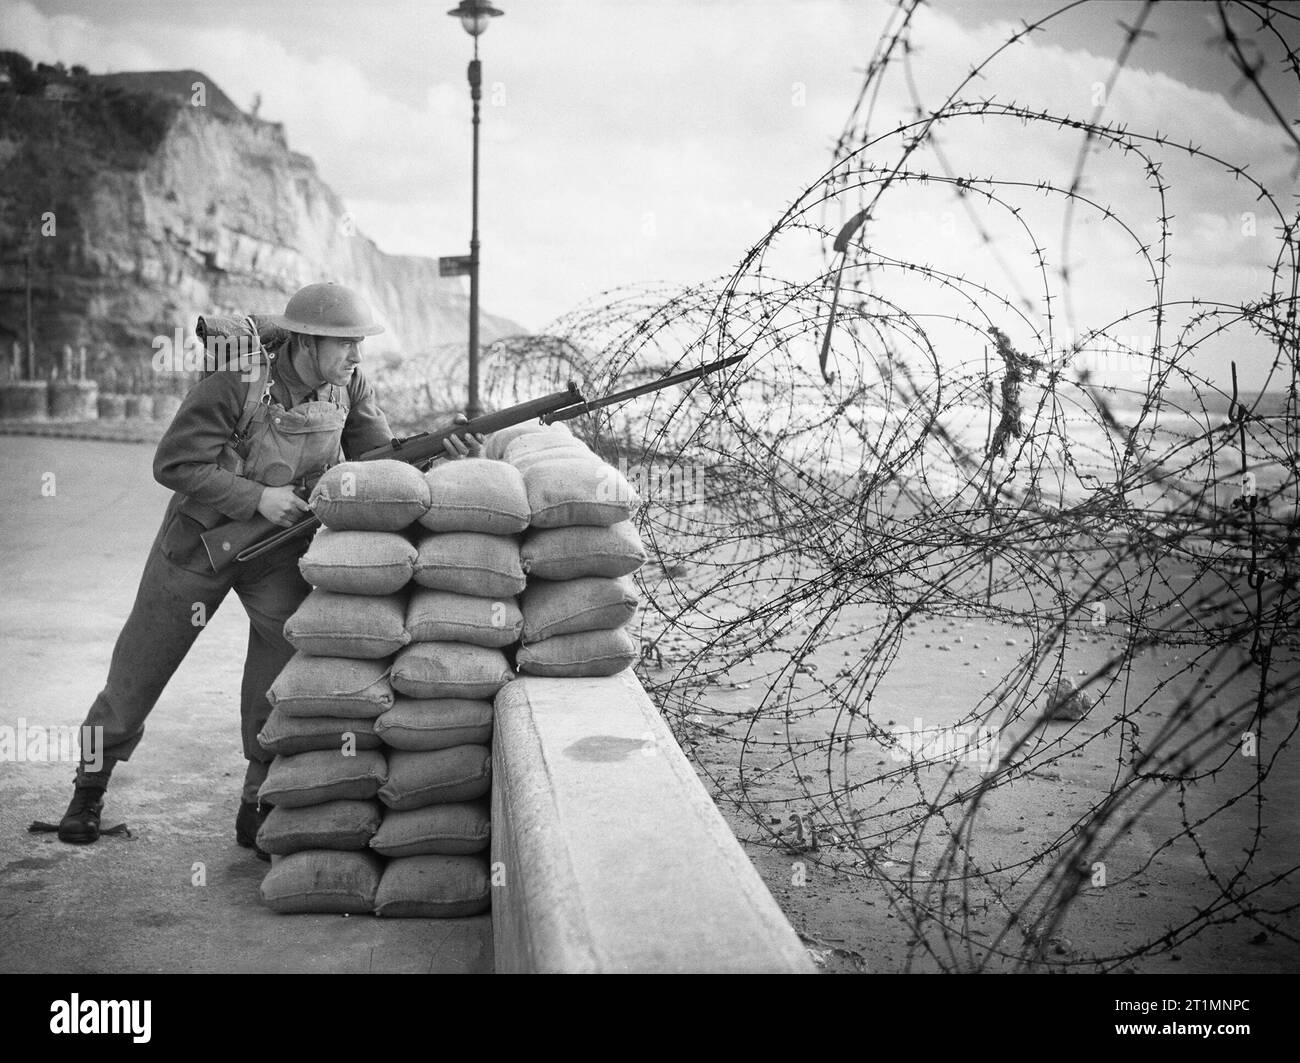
<point x="474" y="15"/>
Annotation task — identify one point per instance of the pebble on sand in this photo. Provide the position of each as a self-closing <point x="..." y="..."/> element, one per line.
<point x="1067" y="702"/>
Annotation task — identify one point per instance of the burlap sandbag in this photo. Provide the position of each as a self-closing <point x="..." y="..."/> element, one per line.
<point x="434" y="887"/>
<point x="343" y="825"/>
<point x="328" y="624"/>
<point x="323" y="775"/>
<point x="470" y="563"/>
<point x="332" y="686"/>
<point x="322" y="880"/>
<point x="590" y="603"/>
<point x="385" y="495"/>
<point x="446" y="830"/>
<point x="303" y="734"/>
<point x="476" y="496"/>
<point x="358" y="562"/>
<point x="450" y="670"/>
<point x="497" y="442"/>
<point x="526" y="461"/>
<point x="436" y="723"/>
<point x="444" y="616"/>
<point x="567" y="491"/>
<point x="584" y="654"/>
<point x="551" y="443"/>
<point x="583" y="550"/>
<point x="416" y="779"/>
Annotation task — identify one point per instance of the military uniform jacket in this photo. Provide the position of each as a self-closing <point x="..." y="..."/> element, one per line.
<point x="192" y="457"/>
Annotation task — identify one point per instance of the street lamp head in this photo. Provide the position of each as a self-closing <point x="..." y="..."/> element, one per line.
<point x="475" y="15"/>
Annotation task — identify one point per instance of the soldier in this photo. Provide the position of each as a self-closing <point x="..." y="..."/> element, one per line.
<point x="233" y="450"/>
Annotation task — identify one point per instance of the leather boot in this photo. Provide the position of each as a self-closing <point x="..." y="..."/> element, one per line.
<point x="80" y="823"/>
<point x="252" y="814"/>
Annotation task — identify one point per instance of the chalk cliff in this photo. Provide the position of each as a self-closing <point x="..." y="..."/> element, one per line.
<point x="142" y="210"/>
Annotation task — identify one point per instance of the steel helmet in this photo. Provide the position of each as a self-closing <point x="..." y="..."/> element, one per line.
<point x="328" y="310"/>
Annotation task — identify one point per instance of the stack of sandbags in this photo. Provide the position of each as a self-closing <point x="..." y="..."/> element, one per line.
<point x="323" y="783"/>
<point x="462" y="617"/>
<point x="382" y="714"/>
<point x="579" y="554"/>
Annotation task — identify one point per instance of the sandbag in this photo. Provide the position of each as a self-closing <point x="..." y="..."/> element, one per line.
<point x="589" y="603"/>
<point x="328" y="624"/>
<point x="584" y="654"/>
<point x="416" y="779"/>
<point x="383" y="495"/>
<point x="449" y="670"/>
<point x="358" y="562"/>
<point x="496" y="444"/>
<point x="545" y="443"/>
<point x="434" y="887"/>
<point x="447" y="829"/>
<point x="582" y="550"/>
<point x="332" y="686"/>
<point x="303" y="734"/>
<point x="470" y="563"/>
<point x="444" y="616"/>
<point x="323" y="775"/>
<point x="567" y="491"/>
<point x="344" y="825"/>
<point x="577" y="453"/>
<point x="476" y="496"/>
<point x="322" y="880"/>
<point x="436" y="723"/>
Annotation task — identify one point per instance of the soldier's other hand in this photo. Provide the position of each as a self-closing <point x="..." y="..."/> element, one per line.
<point x="281" y="506"/>
<point x="465" y="444"/>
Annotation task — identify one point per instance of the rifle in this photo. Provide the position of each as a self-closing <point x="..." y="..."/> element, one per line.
<point x="245" y="540"/>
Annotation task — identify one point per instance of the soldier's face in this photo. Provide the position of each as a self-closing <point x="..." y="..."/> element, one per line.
<point x="337" y="357"/>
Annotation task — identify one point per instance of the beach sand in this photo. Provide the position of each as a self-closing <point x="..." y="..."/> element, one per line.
<point x="884" y="890"/>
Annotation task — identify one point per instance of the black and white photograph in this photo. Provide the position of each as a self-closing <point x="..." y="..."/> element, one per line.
<point x="652" y="487"/>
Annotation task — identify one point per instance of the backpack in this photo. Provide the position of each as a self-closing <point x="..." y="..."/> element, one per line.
<point x="249" y="338"/>
<point x="252" y="337"/>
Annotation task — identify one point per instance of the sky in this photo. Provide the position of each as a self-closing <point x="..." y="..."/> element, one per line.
<point x="629" y="142"/>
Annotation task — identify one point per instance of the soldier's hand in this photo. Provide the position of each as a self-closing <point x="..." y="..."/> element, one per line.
<point x="464" y="445"/>
<point x="281" y="506"/>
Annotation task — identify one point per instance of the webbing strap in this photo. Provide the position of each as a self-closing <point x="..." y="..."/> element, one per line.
<point x="253" y="397"/>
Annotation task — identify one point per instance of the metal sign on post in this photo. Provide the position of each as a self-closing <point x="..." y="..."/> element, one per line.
<point x="454" y="265"/>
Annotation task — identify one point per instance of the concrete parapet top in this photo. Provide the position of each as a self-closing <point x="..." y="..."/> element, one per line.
<point x="612" y="856"/>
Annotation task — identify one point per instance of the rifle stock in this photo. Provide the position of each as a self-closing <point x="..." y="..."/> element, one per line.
<point x="245" y="540"/>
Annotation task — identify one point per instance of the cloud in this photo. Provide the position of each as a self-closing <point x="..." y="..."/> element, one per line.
<point x="1211" y="254"/>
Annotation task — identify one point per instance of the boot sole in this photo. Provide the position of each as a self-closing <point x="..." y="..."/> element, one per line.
<point x="261" y="854"/>
<point x="249" y="841"/>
